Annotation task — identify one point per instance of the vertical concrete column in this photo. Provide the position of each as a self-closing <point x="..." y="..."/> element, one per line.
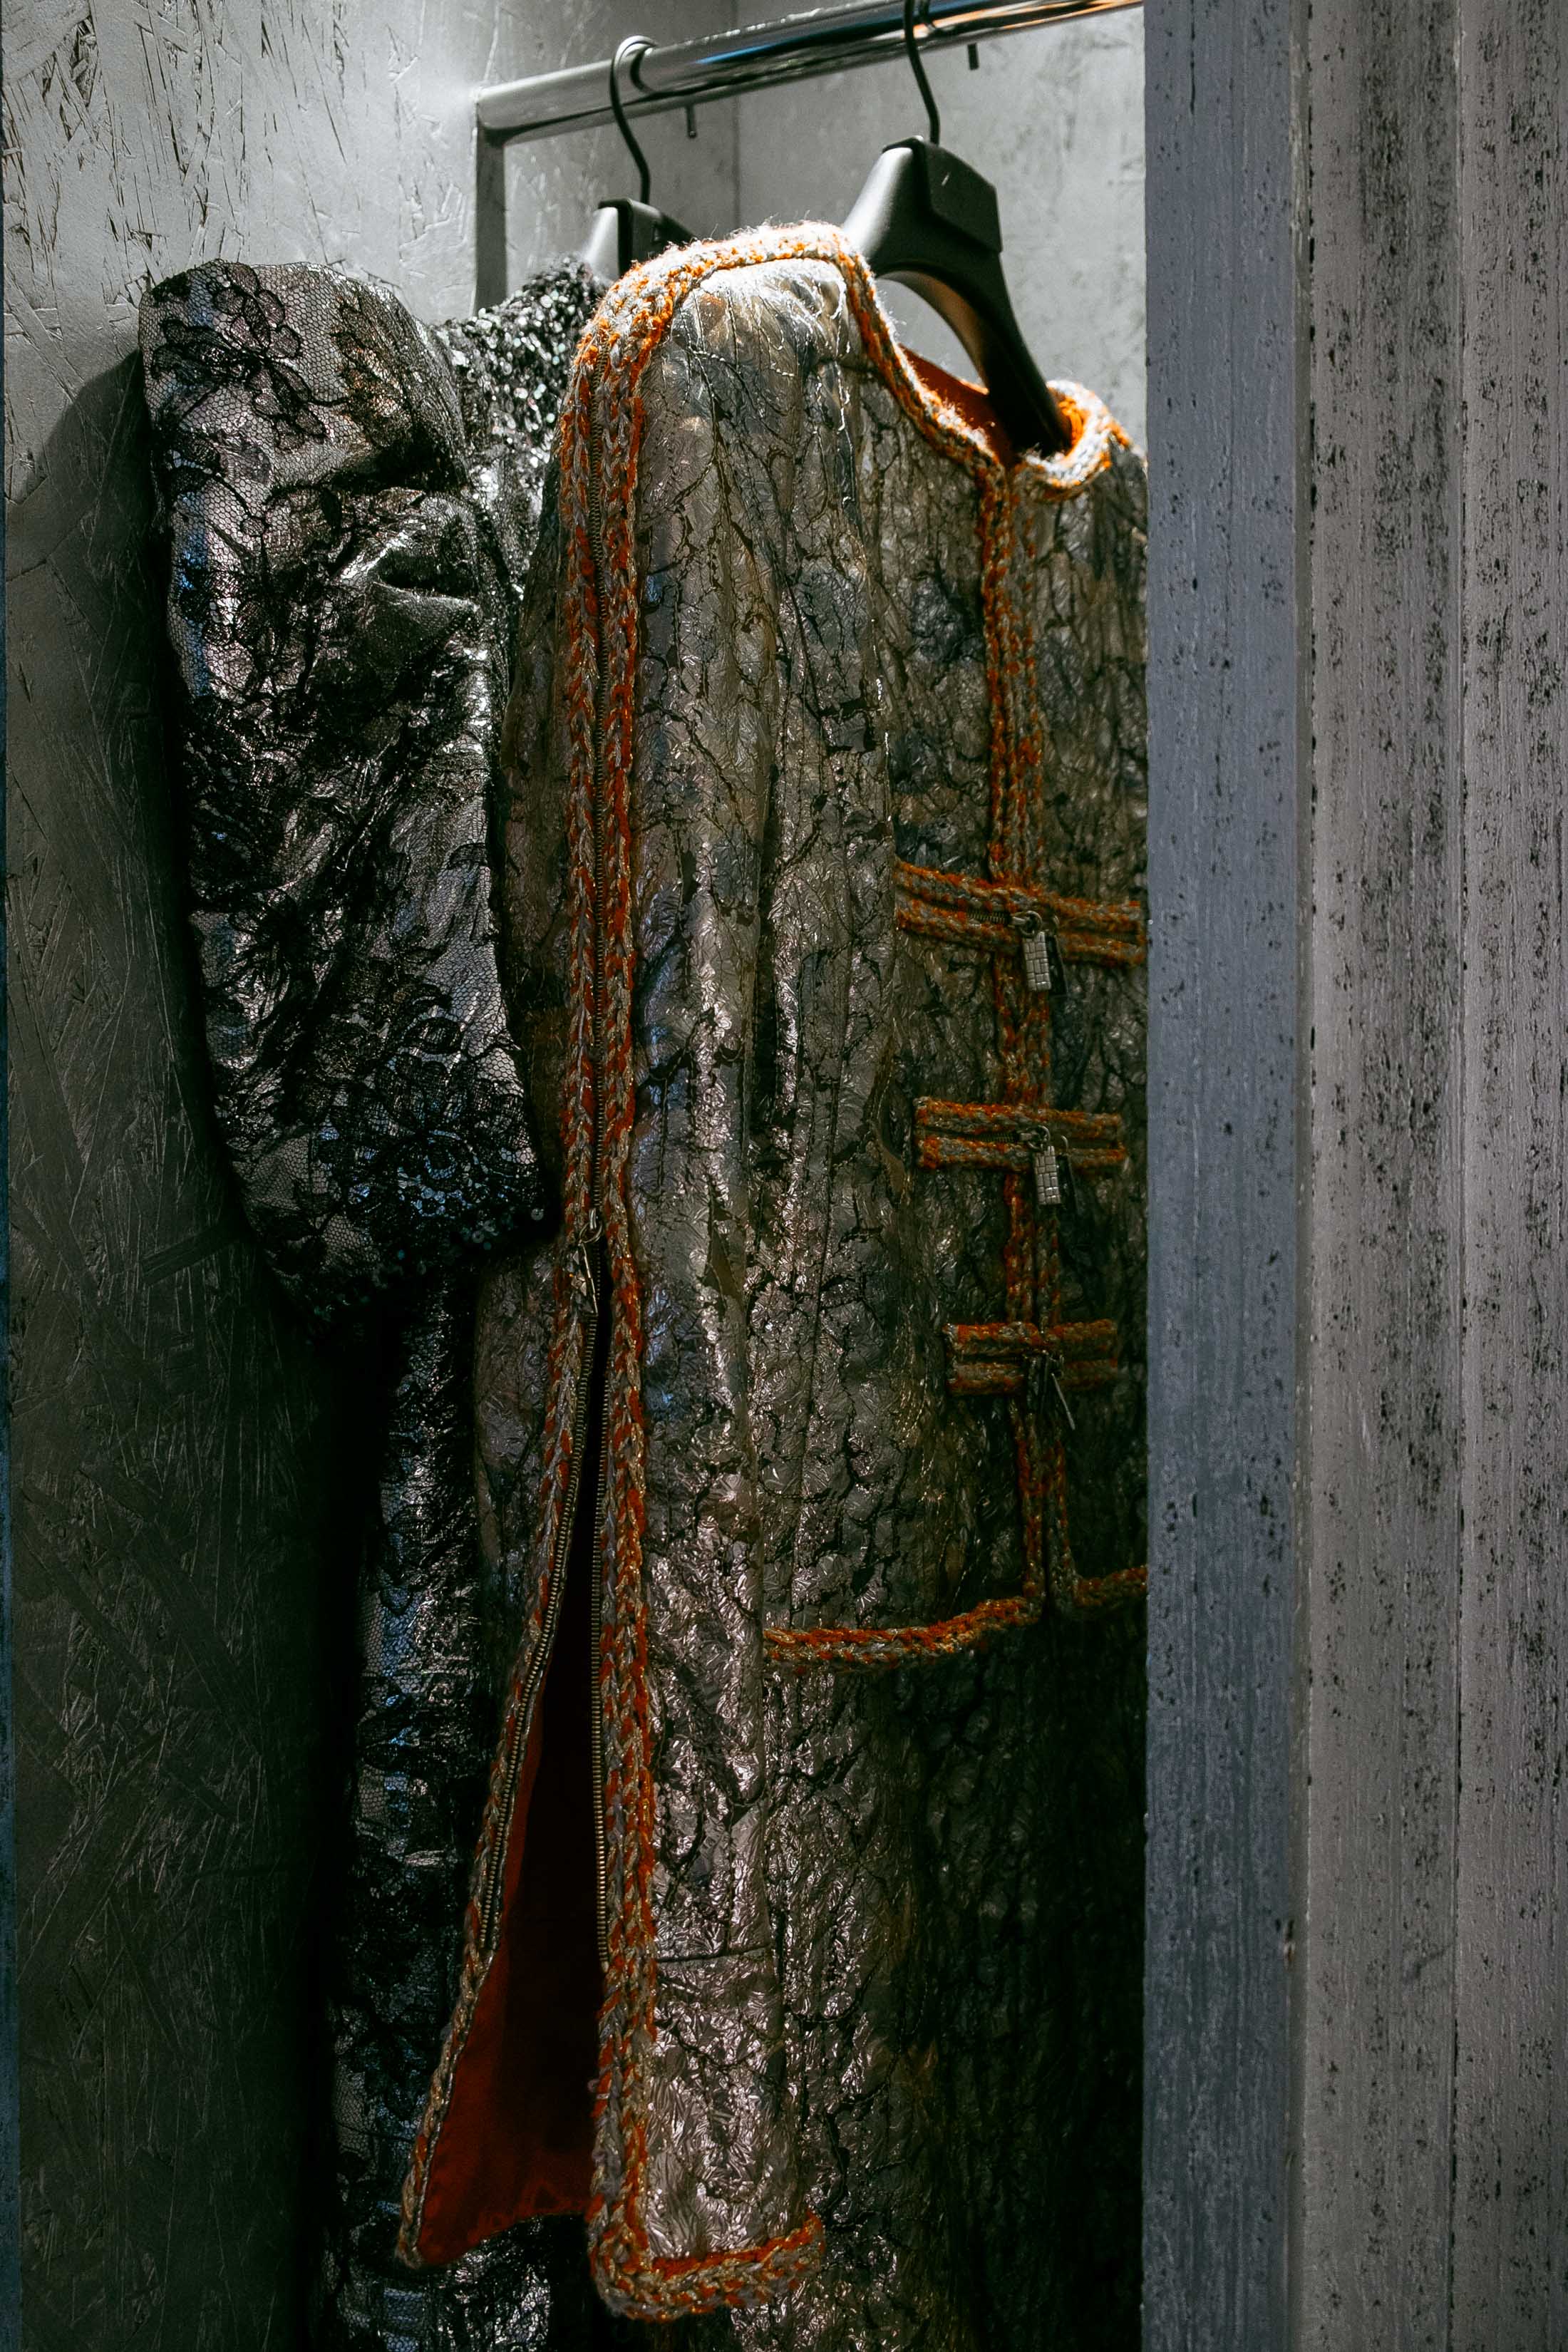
<point x="1383" y="1304"/>
<point x="1228" y="643"/>
<point x="1509" y="2219"/>
<point x="1358" y="233"/>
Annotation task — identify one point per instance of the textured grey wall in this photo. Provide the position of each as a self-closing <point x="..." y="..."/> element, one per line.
<point x="183" y="1536"/>
<point x="1510" y="2221"/>
<point x="1228" y="639"/>
<point x="1388" y="1184"/>
<point x="1056" y="119"/>
<point x="1434" y="2124"/>
<point x="1359" y="241"/>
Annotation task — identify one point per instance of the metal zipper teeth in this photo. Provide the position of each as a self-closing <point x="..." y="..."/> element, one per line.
<point x="591" y="1253"/>
<point x="544" y="1649"/>
<point x="597" y="1728"/>
<point x="595" y="1555"/>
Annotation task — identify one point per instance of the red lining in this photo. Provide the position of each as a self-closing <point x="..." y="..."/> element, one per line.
<point x="970" y="400"/>
<point x="519" y="2134"/>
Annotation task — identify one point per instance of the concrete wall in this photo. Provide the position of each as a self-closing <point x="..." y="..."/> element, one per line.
<point x="1357" y="2021"/>
<point x="1055" y="117"/>
<point x="183" y="1532"/>
<point x="1229" y="737"/>
<point x="1435" y="2007"/>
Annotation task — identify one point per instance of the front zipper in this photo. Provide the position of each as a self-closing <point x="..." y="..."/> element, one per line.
<point x="586" y="1276"/>
<point x="597" y="1728"/>
<point x="544" y="1649"/>
<point x="595" y="1222"/>
<point x="586" y="1272"/>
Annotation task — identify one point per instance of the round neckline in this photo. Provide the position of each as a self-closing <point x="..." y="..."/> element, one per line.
<point x="1092" y="426"/>
<point x="970" y="400"/>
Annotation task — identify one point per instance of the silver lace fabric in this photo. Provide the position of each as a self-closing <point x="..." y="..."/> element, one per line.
<point x="351" y="500"/>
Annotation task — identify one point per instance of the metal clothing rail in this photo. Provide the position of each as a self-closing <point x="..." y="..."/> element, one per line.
<point x="723" y="65"/>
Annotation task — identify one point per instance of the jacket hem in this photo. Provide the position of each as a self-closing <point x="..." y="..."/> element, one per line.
<point x="670" y="2287"/>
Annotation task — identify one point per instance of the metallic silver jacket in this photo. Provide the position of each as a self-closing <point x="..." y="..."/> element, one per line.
<point x="808" y="1415"/>
<point x="823" y="938"/>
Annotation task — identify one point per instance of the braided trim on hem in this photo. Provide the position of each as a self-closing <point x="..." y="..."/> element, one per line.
<point x="683" y="2286"/>
<point x="870" y="1647"/>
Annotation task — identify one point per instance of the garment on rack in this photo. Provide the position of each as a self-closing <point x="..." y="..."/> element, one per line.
<point x="811" y="1446"/>
<point x="822" y="874"/>
<point x="351" y="500"/>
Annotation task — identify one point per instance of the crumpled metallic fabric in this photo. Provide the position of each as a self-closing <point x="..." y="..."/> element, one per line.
<point x="897" y="1915"/>
<point x="351" y="500"/>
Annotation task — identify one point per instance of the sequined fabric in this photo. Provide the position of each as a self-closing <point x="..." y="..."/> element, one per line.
<point x="351" y="500"/>
<point x="874" y="1937"/>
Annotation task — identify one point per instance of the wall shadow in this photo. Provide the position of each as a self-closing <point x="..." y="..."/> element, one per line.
<point x="185" y="1535"/>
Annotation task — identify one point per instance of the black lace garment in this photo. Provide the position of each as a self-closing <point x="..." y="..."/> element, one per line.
<point x="351" y="500"/>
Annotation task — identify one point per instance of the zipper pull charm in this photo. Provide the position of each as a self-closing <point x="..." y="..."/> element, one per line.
<point x="1048" y="1177"/>
<point x="1061" y="1398"/>
<point x="1043" y="1378"/>
<point x="1036" y="943"/>
<point x="582" y="1253"/>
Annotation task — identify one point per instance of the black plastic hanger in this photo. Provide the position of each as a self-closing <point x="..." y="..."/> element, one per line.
<point x="929" y="220"/>
<point x="626" y="231"/>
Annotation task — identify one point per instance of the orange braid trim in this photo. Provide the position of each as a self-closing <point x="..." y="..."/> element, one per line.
<point x="598" y="623"/>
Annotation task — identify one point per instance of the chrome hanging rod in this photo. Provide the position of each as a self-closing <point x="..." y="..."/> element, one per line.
<point x="723" y="65"/>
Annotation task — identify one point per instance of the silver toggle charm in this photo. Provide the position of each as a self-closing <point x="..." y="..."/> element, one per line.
<point x="1048" y="1177"/>
<point x="1036" y="946"/>
<point x="1062" y="1400"/>
<point x="582" y="1261"/>
<point x="1042" y="1381"/>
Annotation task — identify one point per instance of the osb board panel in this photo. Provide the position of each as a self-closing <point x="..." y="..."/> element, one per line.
<point x="186" y="1489"/>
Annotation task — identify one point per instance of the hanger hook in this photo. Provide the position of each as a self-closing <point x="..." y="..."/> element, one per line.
<point x="631" y="49"/>
<point x="911" y="50"/>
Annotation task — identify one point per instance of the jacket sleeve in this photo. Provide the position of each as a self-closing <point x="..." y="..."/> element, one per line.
<point x="339" y="621"/>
